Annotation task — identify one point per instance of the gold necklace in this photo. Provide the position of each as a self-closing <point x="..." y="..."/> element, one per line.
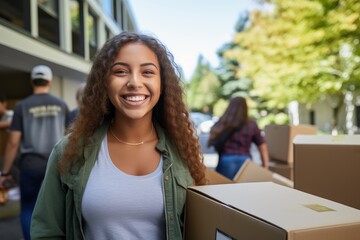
<point x="129" y="143"/>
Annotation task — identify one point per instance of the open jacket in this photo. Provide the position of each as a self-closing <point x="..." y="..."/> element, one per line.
<point x="57" y="213"/>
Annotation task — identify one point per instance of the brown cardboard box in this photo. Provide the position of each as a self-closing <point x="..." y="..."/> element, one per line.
<point x="214" y="177"/>
<point x="265" y="211"/>
<point x="251" y="172"/>
<point x="279" y="139"/>
<point x="328" y="167"/>
<point x="282" y="168"/>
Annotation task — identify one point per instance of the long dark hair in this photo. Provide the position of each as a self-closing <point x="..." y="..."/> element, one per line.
<point x="170" y="111"/>
<point x="235" y="116"/>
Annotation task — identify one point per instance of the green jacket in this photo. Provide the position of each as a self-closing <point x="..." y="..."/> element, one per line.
<point x="57" y="213"/>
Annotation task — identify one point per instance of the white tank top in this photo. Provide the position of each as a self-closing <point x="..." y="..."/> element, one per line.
<point x="116" y="205"/>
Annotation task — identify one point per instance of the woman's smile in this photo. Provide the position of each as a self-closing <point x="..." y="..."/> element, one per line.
<point x="135" y="99"/>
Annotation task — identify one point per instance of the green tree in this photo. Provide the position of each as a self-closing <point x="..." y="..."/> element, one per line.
<point x="232" y="83"/>
<point x="203" y="89"/>
<point x="235" y="83"/>
<point x="300" y="50"/>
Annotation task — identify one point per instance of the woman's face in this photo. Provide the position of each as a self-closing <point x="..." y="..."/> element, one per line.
<point x="134" y="83"/>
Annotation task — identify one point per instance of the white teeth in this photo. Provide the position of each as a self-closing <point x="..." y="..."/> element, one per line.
<point x="135" y="98"/>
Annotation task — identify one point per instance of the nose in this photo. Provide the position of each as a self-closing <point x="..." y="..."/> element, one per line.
<point x="134" y="81"/>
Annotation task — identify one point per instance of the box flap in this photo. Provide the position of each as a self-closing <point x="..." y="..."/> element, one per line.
<point x="284" y="207"/>
<point x="214" y="177"/>
<point x="251" y="172"/>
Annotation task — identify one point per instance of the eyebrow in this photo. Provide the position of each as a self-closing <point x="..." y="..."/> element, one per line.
<point x="127" y="65"/>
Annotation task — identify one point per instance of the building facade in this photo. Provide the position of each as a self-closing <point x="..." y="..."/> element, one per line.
<point x="63" y="34"/>
<point x="332" y="120"/>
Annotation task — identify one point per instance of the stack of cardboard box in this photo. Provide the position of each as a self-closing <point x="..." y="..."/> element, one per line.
<point x="279" y="140"/>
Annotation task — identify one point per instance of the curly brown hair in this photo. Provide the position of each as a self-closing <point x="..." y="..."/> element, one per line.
<point x="170" y="111"/>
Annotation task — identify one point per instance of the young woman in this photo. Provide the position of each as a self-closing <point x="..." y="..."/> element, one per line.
<point x="123" y="170"/>
<point x="237" y="132"/>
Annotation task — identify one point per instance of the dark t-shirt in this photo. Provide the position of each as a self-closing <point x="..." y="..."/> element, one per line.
<point x="42" y="119"/>
<point x="73" y="114"/>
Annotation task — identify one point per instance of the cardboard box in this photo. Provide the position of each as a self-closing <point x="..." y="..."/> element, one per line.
<point x="279" y="139"/>
<point x="328" y="167"/>
<point x="251" y="172"/>
<point x="282" y="168"/>
<point x="214" y="177"/>
<point x="266" y="211"/>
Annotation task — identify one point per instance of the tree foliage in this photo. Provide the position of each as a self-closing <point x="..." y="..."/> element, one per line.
<point x="203" y="89"/>
<point x="233" y="84"/>
<point x="299" y="50"/>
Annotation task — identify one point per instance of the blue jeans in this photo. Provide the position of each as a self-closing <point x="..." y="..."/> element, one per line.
<point x="229" y="164"/>
<point x="32" y="171"/>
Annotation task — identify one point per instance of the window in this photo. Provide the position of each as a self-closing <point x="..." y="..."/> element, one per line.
<point x="357" y="112"/>
<point x="77" y="27"/>
<point x="16" y="12"/>
<point x="312" y="117"/>
<point x="92" y="30"/>
<point x="48" y="11"/>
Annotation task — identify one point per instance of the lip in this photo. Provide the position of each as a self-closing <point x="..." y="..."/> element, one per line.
<point x="134" y="99"/>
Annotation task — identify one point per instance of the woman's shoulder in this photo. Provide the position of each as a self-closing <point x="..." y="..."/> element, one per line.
<point x="62" y="142"/>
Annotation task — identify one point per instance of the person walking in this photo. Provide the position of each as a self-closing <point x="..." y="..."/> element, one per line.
<point x="232" y="136"/>
<point x="123" y="170"/>
<point x="38" y="123"/>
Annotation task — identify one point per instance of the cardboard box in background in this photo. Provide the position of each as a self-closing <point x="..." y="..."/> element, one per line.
<point x="259" y="211"/>
<point x="251" y="172"/>
<point x="329" y="167"/>
<point x="279" y="139"/>
<point x="214" y="177"/>
<point x="282" y="168"/>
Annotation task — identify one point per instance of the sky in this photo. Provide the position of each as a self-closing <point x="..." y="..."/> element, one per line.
<point x="189" y="28"/>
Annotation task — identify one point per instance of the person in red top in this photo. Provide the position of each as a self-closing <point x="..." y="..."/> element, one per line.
<point x="236" y="132"/>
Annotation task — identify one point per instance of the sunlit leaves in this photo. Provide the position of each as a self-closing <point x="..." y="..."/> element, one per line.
<point x="295" y="50"/>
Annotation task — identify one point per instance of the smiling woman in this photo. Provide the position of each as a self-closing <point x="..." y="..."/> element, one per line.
<point x="123" y="170"/>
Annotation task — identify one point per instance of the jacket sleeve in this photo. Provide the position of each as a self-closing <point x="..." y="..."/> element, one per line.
<point x="48" y="219"/>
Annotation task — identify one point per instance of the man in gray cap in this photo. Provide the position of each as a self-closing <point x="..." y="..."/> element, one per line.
<point x="38" y="123"/>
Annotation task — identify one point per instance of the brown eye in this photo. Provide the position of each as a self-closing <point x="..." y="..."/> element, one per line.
<point x="120" y="72"/>
<point x="148" y="73"/>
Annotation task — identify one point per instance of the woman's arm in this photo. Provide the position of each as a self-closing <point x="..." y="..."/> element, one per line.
<point x="264" y="153"/>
